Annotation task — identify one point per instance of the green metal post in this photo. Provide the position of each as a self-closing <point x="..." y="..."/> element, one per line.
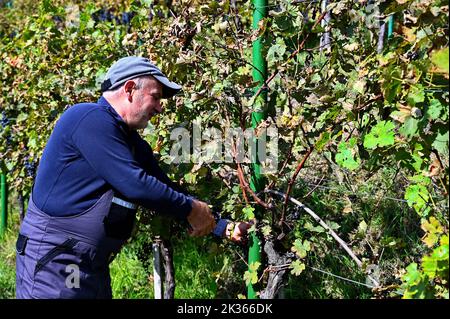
<point x="257" y="181"/>
<point x="4" y="205"/>
<point x="390" y="26"/>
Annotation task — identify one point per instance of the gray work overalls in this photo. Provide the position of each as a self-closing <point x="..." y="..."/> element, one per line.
<point x="68" y="257"/>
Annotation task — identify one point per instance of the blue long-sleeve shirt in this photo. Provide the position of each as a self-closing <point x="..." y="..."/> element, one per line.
<point x="92" y="150"/>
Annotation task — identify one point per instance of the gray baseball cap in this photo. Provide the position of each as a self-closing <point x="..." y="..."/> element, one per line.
<point x="131" y="67"/>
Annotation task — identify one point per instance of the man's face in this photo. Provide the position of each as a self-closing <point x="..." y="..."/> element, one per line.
<point x="145" y="104"/>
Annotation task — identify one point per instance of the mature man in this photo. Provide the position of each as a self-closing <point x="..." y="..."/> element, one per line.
<point x="94" y="172"/>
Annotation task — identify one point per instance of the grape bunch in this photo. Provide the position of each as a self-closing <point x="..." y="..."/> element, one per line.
<point x="295" y="213"/>
<point x="30" y="166"/>
<point x="107" y="15"/>
<point x="412" y="55"/>
<point x="57" y="19"/>
<point x="4" y="121"/>
<point x="126" y="17"/>
<point x="53" y="114"/>
<point x="102" y="15"/>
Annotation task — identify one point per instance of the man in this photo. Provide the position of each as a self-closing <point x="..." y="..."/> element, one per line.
<point x="94" y="171"/>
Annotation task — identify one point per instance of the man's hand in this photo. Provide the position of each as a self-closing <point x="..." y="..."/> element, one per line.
<point x="201" y="219"/>
<point x="237" y="231"/>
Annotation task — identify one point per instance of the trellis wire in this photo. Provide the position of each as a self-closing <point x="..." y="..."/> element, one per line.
<point x="342" y="278"/>
<point x="347" y="279"/>
<point x="355" y="193"/>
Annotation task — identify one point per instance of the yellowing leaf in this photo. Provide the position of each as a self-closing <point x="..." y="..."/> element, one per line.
<point x="362" y="227"/>
<point x="301" y="248"/>
<point x="432" y="229"/>
<point x="404" y="111"/>
<point x="440" y="59"/>
<point x="351" y="46"/>
<point x="251" y="275"/>
<point x="359" y="86"/>
<point x="266" y="230"/>
<point x="297" y="267"/>
<point x="432" y="226"/>
<point x="409" y="34"/>
<point x="254" y="266"/>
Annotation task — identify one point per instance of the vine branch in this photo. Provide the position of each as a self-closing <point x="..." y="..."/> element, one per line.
<point x="292" y="181"/>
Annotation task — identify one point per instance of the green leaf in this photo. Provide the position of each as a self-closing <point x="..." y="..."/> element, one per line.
<point x="391" y="85"/>
<point x="9" y="166"/>
<point x="412" y="275"/>
<point x="297" y="267"/>
<point x="48" y="7"/>
<point x="420" y="179"/>
<point x="22" y="117"/>
<point x="441" y="253"/>
<point x="276" y="52"/>
<point x="409" y="128"/>
<point x="249" y="212"/>
<point x="310" y="227"/>
<point x="346" y="154"/>
<point x="416" y="162"/>
<point x="440" y="59"/>
<point x="32" y="140"/>
<point x="429" y="266"/>
<point x="444" y="240"/>
<point x="417" y="196"/>
<point x="416" y="95"/>
<point x="380" y="135"/>
<point x="283" y="21"/>
<point x="301" y="248"/>
<point x="301" y="58"/>
<point x="434" y="109"/>
<point x="323" y="140"/>
<point x="316" y="78"/>
<point x="441" y="143"/>
<point x="362" y="228"/>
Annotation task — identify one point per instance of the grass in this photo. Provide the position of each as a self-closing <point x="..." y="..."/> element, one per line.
<point x="129" y="278"/>
<point x="206" y="269"/>
<point x="8" y="256"/>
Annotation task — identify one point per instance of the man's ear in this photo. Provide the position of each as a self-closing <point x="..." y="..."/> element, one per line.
<point x="129" y="88"/>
